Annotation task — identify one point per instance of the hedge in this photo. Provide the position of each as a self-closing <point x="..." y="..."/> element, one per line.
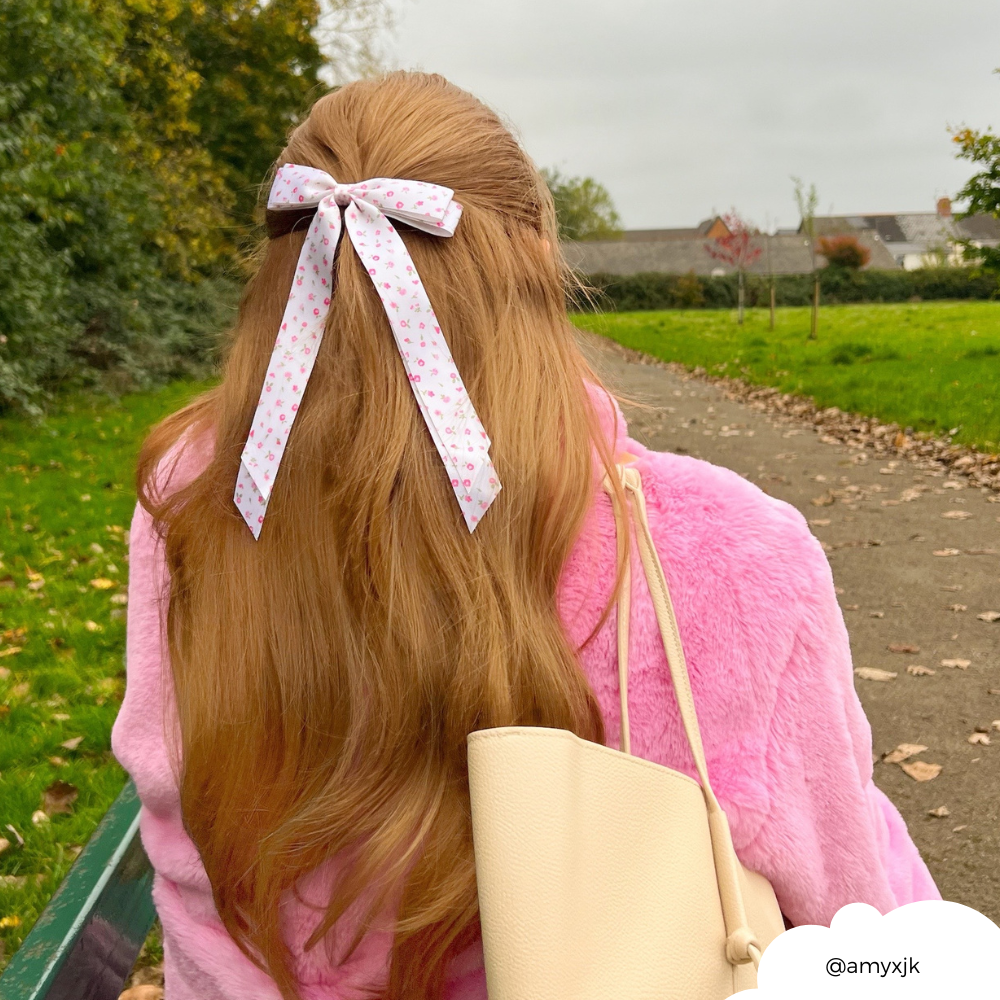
<point x="626" y="293"/>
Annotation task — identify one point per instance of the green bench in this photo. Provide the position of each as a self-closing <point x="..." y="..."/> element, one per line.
<point x="87" y="939"/>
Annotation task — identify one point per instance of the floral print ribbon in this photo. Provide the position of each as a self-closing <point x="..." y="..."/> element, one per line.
<point x="449" y="414"/>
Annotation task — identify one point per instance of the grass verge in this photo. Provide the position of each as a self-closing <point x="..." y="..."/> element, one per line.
<point x="930" y="366"/>
<point x="66" y="501"/>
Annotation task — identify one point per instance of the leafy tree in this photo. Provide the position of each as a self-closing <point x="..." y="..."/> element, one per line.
<point x="133" y="135"/>
<point x="738" y="249"/>
<point x="583" y="207"/>
<point x="982" y="190"/>
<point x="258" y="66"/>
<point x="844" y="251"/>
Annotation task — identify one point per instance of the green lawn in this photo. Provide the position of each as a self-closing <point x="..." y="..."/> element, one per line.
<point x="932" y="366"/>
<point x="66" y="500"/>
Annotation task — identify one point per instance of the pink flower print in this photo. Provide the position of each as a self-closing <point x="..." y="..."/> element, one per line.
<point x="414" y="378"/>
<point x="371" y="271"/>
<point x="420" y="361"/>
<point x="454" y="482"/>
<point x="466" y="483"/>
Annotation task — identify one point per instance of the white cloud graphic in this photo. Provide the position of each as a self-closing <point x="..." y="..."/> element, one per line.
<point x="921" y="950"/>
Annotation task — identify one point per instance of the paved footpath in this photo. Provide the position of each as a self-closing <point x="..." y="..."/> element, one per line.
<point x="916" y="559"/>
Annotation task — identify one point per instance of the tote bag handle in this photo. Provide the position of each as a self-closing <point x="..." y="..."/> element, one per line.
<point x="741" y="945"/>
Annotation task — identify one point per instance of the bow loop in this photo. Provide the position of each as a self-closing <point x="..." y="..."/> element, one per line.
<point x="451" y="419"/>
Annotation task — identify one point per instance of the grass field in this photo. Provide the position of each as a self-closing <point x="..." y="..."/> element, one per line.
<point x="932" y="366"/>
<point x="66" y="500"/>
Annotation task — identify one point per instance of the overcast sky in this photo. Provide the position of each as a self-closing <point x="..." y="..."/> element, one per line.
<point x="682" y="107"/>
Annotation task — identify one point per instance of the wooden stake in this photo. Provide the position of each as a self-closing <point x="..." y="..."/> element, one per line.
<point x="814" y="321"/>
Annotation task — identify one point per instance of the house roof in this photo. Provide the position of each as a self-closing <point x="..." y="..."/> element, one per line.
<point x="913" y="232"/>
<point x="663" y="235"/>
<point x="781" y="254"/>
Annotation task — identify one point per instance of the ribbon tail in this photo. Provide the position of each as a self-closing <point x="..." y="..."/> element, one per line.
<point x="250" y="502"/>
<point x="290" y="366"/>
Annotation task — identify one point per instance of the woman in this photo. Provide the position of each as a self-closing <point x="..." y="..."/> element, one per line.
<point x="300" y="690"/>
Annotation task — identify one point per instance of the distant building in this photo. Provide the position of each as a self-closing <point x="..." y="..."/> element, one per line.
<point x="917" y="239"/>
<point x="682" y="251"/>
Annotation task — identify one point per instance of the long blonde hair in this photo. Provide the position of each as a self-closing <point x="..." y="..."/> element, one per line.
<point x="327" y="675"/>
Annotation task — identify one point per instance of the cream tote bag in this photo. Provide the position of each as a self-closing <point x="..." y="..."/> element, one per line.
<point x="603" y="876"/>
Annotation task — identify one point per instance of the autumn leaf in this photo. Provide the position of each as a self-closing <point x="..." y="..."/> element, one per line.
<point x="873" y="674"/>
<point x="920" y="770"/>
<point x="59" y="798"/>
<point x="72" y="744"/>
<point x="12" y="920"/>
<point x="11" y="651"/>
<point x="989" y="616"/>
<point x="940" y="812"/>
<point x="902" y="647"/>
<point x="102" y="583"/>
<point x="903" y="751"/>
<point x="980" y="739"/>
<point x="958" y="515"/>
<point x="947" y="552"/>
<point x="956" y="664"/>
<point x="918" y="671"/>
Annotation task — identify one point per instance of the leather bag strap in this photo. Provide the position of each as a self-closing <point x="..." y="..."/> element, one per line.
<point x="741" y="945"/>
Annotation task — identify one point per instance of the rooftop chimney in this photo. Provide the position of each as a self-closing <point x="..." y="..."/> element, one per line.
<point x="944" y="208"/>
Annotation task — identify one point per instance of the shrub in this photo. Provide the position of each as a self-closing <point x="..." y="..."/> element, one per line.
<point x="844" y="251"/>
<point x="839" y="285"/>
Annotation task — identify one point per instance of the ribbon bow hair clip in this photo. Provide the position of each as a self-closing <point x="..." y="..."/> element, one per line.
<point x="447" y="410"/>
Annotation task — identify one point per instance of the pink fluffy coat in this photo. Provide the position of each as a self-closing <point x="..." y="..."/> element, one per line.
<point x="789" y="748"/>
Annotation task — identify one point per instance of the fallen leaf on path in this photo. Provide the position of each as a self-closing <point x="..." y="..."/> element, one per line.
<point x="820" y="522"/>
<point x="902" y="647"/>
<point x="59" y="798"/>
<point x="918" y="671"/>
<point x="989" y="616"/>
<point x="947" y="552"/>
<point x="996" y="724"/>
<point x="953" y="484"/>
<point x="940" y="812"/>
<point x="958" y="515"/>
<point x="822" y="501"/>
<point x="956" y="664"/>
<point x="876" y="614"/>
<point x="4" y="844"/>
<point x="979" y="738"/>
<point x="953" y="587"/>
<point x="38" y="817"/>
<point x="920" y="770"/>
<point x="72" y="744"/>
<point x="958" y="607"/>
<point x="874" y="674"/>
<point x="981" y="552"/>
<point x="102" y="583"/>
<point x="851" y="607"/>
<point x="903" y="751"/>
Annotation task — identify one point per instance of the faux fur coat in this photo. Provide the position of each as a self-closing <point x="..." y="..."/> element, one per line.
<point x="789" y="748"/>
